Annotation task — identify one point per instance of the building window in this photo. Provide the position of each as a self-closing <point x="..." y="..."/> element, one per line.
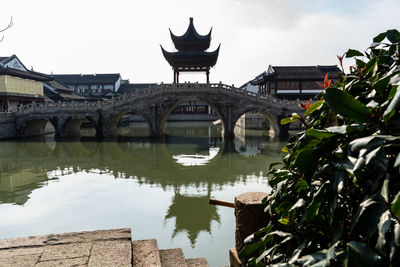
<point x="108" y="87"/>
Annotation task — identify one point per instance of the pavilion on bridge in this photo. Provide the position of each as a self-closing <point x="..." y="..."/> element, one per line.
<point x="191" y="55"/>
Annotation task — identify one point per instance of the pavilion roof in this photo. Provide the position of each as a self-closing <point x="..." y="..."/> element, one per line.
<point x="191" y="59"/>
<point x="191" y="39"/>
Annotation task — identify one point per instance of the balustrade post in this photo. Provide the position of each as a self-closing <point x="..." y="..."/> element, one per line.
<point x="59" y="105"/>
<point x="33" y="105"/>
<point x="85" y="105"/>
<point x="72" y="105"/>
<point x="113" y="100"/>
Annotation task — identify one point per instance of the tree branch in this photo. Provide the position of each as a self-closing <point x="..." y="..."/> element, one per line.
<point x="9" y="26"/>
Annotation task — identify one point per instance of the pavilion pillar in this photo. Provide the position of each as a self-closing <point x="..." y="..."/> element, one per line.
<point x="208" y="75"/>
<point x="177" y="76"/>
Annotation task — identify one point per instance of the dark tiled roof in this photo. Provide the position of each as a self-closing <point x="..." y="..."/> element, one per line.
<point x="68" y="79"/>
<point x="57" y="91"/>
<point x="59" y="86"/>
<point x="133" y="87"/>
<point x="315" y="73"/>
<point x="191" y="39"/>
<point x="5" y="60"/>
<point x="24" y="74"/>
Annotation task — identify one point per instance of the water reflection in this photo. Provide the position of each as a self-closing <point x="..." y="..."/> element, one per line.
<point x="192" y="215"/>
<point x="193" y="165"/>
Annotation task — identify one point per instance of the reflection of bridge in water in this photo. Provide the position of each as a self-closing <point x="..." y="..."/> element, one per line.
<point x="147" y="161"/>
<point x="154" y="105"/>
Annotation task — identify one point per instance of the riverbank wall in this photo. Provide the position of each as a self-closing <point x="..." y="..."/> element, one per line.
<point x="7" y="126"/>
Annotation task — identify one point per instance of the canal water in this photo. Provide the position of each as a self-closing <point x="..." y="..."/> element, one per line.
<point x="158" y="188"/>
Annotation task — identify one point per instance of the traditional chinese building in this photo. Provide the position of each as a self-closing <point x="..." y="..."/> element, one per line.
<point x="191" y="54"/>
<point x="18" y="85"/>
<point x="92" y="85"/>
<point x="292" y="82"/>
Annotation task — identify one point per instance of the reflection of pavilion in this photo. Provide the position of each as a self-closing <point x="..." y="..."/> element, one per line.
<point x="192" y="215"/>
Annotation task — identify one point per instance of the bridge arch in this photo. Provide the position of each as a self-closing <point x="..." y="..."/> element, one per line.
<point x="72" y="126"/>
<point x="274" y="120"/>
<point x="168" y="109"/>
<point x="34" y="127"/>
<point x="110" y="124"/>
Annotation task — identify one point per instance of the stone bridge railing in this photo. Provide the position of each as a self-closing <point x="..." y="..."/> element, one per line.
<point x="51" y="107"/>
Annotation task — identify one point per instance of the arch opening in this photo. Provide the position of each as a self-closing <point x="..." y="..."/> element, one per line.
<point x="72" y="127"/>
<point x="88" y="127"/>
<point x="132" y="124"/>
<point x="183" y="117"/>
<point x="256" y="123"/>
<point x="38" y="127"/>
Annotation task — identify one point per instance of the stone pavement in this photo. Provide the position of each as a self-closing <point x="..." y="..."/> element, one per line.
<point x="91" y="248"/>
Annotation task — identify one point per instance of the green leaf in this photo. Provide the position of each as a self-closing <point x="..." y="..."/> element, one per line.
<point x="385" y="190"/>
<point x="353" y="53"/>
<point x="313" y="209"/>
<point x="294" y="118"/>
<point x="368" y="143"/>
<point x="346" y="105"/>
<point x="360" y="255"/>
<point x="379" y="38"/>
<point x="249" y="249"/>
<point x="320" y="134"/>
<point x="395" y="207"/>
<point x="301" y="185"/>
<point x="393" y="36"/>
<point x="285" y="149"/>
<point x="337" y="129"/>
<point x="394" y="104"/>
<point x="383" y="227"/>
<point x="300" y="203"/>
<point x="397" y="162"/>
<point x="313" y="107"/>
<point x="368" y="206"/>
<point x="284" y="221"/>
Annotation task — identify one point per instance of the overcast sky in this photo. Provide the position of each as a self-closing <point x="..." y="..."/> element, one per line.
<point x="85" y="36"/>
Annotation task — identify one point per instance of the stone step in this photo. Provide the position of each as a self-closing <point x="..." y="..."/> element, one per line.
<point x="145" y="253"/>
<point x="197" y="262"/>
<point x="172" y="257"/>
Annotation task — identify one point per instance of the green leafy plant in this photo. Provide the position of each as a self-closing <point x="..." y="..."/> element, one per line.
<point x="336" y="195"/>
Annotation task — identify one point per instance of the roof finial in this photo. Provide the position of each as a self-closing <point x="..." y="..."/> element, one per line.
<point x="191" y="19"/>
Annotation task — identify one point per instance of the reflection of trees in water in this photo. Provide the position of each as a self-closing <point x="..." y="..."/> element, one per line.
<point x="192" y="215"/>
<point x="27" y="164"/>
<point x="151" y="162"/>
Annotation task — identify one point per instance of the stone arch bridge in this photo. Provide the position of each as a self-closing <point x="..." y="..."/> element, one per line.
<point x="154" y="104"/>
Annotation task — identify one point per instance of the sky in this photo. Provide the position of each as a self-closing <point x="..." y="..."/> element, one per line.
<point x="124" y="36"/>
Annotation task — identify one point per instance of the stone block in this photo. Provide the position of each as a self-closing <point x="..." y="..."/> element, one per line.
<point x="19" y="261"/>
<point x="197" y="262"/>
<point x="66" y="251"/>
<point x="111" y="253"/>
<point x="172" y="258"/>
<point x="64" y="262"/>
<point x="5" y="253"/>
<point x="145" y="253"/>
